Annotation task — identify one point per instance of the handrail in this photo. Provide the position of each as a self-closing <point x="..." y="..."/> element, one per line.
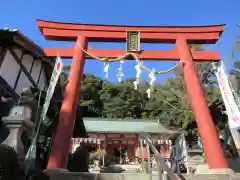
<point x="161" y="162"/>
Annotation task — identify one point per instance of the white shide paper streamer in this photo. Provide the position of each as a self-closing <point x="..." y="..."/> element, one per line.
<point x="151" y="83"/>
<point x="120" y="71"/>
<point x="138" y="75"/>
<point x="106" y="68"/>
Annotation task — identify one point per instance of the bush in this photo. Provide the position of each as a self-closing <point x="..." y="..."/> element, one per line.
<point x="78" y="161"/>
<point x="9" y="167"/>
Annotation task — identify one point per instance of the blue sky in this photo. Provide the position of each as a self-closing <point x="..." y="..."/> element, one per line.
<point x="22" y="15"/>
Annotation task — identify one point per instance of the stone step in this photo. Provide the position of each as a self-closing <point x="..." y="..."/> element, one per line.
<point x="57" y="174"/>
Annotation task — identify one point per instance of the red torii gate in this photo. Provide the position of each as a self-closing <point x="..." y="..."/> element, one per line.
<point x="181" y="36"/>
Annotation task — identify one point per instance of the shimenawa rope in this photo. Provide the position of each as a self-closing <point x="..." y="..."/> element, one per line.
<point x="135" y="57"/>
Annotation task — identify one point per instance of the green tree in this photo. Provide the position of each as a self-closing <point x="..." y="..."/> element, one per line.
<point x="235" y="72"/>
<point x="169" y="103"/>
<point x="121" y="100"/>
<point x="90" y="100"/>
<point x="175" y="95"/>
<point x="174" y="98"/>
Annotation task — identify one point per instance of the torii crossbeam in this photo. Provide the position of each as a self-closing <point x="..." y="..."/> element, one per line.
<point x="166" y="55"/>
<point x="181" y="36"/>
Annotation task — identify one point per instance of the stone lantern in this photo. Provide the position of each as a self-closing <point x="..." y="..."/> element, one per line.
<point x="21" y="122"/>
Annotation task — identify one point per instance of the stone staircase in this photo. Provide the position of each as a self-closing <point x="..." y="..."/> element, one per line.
<point x="194" y="162"/>
<point x="123" y="168"/>
<point x="130" y="168"/>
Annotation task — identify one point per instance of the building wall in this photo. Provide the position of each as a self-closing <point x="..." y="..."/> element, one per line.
<point x="10" y="69"/>
<point x="15" y="76"/>
<point x="42" y="80"/>
<point x="111" y="141"/>
<point x="36" y="70"/>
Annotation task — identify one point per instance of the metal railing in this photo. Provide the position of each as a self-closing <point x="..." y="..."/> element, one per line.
<point x="160" y="160"/>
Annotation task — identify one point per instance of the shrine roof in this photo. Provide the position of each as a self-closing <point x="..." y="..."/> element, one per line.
<point x="125" y="126"/>
<point x="63" y="31"/>
<point x="10" y="36"/>
<point x="13" y="37"/>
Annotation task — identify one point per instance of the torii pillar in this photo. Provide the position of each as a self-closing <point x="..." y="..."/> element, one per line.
<point x="101" y="33"/>
<point x="207" y="131"/>
<point x="62" y="138"/>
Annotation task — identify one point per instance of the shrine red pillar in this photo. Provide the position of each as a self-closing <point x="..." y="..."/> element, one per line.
<point x="62" y="138"/>
<point x="210" y="140"/>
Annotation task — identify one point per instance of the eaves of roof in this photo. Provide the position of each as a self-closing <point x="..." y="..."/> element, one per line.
<point x="14" y="36"/>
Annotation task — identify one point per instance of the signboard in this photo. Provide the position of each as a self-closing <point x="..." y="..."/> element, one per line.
<point x="54" y="79"/>
<point x="228" y="98"/>
<point x="133" y="41"/>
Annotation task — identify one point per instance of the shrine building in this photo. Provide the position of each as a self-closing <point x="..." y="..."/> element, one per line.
<point x="22" y="65"/>
<point x="111" y="134"/>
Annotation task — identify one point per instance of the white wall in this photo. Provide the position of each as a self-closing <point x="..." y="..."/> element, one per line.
<point x="42" y="80"/>
<point x="9" y="69"/>
<point x="23" y="82"/>
<point x="27" y="61"/>
<point x="36" y="70"/>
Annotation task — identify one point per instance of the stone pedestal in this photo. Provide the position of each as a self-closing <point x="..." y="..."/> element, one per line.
<point x="20" y="131"/>
<point x="20" y="123"/>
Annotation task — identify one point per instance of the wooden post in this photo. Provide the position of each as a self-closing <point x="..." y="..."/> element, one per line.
<point x="149" y="162"/>
<point x="141" y="144"/>
<point x="105" y="149"/>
